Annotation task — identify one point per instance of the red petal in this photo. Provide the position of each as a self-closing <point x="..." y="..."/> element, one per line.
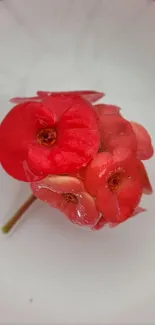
<point x="58" y="106"/>
<point x="39" y="160"/>
<point x="89" y="95"/>
<point x="107" y="204"/>
<point x="100" y="164"/>
<point x="106" y="109"/>
<point x="117" y="132"/>
<point x="138" y="210"/>
<point x="80" y="173"/>
<point x="86" y="212"/>
<point x="92" y="97"/>
<point x="100" y="224"/>
<point x="85" y="142"/>
<point x="56" y="161"/>
<point x="119" y="206"/>
<point x="48" y="196"/>
<point x="80" y="115"/>
<point x="60" y="184"/>
<point x="130" y="190"/>
<point x="125" y="159"/>
<point x="104" y="164"/>
<point x="83" y="213"/>
<point x="144" y="145"/>
<point x="147" y="188"/>
<point x="129" y="196"/>
<point x="78" y="137"/>
<point x="17" y="131"/>
<point x="126" y="197"/>
<point x="30" y="176"/>
<point x="19" y="100"/>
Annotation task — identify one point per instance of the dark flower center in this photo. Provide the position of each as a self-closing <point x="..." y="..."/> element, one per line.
<point x="47" y="136"/>
<point x="114" y="181"/>
<point x="70" y="197"/>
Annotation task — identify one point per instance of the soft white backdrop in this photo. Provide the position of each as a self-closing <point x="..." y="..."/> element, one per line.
<point x="52" y="272"/>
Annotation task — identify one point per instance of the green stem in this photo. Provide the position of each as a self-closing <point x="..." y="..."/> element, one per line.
<point x="16" y="217"/>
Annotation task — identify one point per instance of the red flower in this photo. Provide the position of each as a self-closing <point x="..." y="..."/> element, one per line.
<point x="116" y="132"/>
<point x="116" y="183"/>
<point x="55" y="136"/>
<point x="89" y="95"/>
<point x="144" y="145"/>
<point x="69" y="196"/>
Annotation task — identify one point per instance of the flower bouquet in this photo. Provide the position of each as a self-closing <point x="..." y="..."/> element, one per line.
<point x="83" y="158"/>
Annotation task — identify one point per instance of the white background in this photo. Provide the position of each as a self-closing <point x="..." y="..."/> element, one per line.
<point x="52" y="272"/>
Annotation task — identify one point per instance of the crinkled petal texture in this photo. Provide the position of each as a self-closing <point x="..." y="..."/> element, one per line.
<point x="68" y="195"/>
<point x="90" y="95"/>
<point x="144" y="144"/>
<point x="77" y="137"/>
<point x="115" y="182"/>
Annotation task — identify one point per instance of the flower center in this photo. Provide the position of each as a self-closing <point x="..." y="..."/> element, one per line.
<point x="47" y="137"/>
<point x="70" y="197"/>
<point x="114" y="181"/>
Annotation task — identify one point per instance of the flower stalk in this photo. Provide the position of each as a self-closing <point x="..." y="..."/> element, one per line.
<point x="18" y="214"/>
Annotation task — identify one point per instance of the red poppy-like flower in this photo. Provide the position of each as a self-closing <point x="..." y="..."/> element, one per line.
<point x="144" y="145"/>
<point x="69" y="196"/>
<point x="90" y="95"/>
<point x="115" y="130"/>
<point x="55" y="136"/>
<point x="116" y="183"/>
